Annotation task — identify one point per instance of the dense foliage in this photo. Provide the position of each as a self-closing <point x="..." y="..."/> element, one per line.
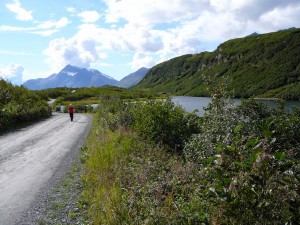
<point x="18" y="104"/>
<point x="237" y="165"/>
<point x="266" y="65"/>
<point x="249" y="162"/>
<point x="93" y="93"/>
<point x="164" y="123"/>
<point x="126" y="179"/>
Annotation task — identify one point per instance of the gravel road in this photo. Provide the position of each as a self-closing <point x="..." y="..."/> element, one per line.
<point x="33" y="158"/>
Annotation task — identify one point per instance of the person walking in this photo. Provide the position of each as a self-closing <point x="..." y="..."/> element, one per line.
<point x="71" y="111"/>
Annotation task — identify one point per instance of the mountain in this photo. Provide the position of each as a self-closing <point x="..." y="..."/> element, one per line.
<point x="264" y="65"/>
<point x="133" y="78"/>
<point x="72" y="76"/>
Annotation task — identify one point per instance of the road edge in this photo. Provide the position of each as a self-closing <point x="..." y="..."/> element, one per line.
<point x="55" y="186"/>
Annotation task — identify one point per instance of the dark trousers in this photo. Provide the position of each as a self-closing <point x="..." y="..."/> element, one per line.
<point x="71" y="116"/>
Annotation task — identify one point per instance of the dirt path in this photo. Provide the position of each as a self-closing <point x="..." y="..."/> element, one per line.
<point x="31" y="157"/>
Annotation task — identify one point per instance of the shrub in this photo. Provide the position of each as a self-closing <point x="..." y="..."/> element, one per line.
<point x="129" y="181"/>
<point x="18" y="105"/>
<point x="249" y="159"/>
<point x="114" y="113"/>
<point x="240" y="164"/>
<point x="161" y="121"/>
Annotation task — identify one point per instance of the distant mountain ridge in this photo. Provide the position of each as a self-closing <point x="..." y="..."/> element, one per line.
<point x="133" y="78"/>
<point x="263" y="65"/>
<point x="72" y="76"/>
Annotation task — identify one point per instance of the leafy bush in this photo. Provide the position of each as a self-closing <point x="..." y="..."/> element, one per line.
<point x="17" y="105"/>
<point x="249" y="159"/>
<point x="114" y="113"/>
<point x="161" y="121"/>
<point x="240" y="164"/>
<point x="130" y="181"/>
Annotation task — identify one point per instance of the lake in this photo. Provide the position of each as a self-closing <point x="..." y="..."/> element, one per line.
<point x="197" y="103"/>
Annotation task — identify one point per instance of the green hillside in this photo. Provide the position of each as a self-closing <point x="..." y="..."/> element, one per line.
<point x="266" y="65"/>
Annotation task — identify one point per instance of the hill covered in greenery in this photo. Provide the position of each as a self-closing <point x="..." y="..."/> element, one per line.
<point x="18" y="105"/>
<point x="265" y="65"/>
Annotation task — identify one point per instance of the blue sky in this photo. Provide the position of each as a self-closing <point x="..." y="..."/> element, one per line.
<point x="117" y="37"/>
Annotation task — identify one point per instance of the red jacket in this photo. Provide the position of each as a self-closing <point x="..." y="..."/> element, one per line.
<point x="71" y="109"/>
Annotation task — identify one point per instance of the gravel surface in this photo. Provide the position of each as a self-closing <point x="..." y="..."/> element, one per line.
<point x="39" y="171"/>
<point x="61" y="204"/>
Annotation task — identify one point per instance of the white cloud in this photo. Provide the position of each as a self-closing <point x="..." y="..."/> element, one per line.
<point x="62" y="22"/>
<point x="142" y="60"/>
<point x="44" y="29"/>
<point x="176" y="27"/>
<point x="102" y="65"/>
<point x="13" y="28"/>
<point x="90" y="44"/>
<point x="44" y="33"/>
<point x="89" y="16"/>
<point x="153" y="11"/>
<point x="21" y="13"/>
<point x="12" y="73"/>
<point x="81" y="50"/>
<point x="71" y="9"/>
<point x="236" y="16"/>
<point x="19" y="53"/>
<point x="281" y="18"/>
<point x="153" y="30"/>
<point x="254" y="9"/>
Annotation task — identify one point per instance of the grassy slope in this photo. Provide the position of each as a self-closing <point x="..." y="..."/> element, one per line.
<point x="255" y="65"/>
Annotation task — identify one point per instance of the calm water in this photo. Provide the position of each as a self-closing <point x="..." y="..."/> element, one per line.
<point x="197" y="103"/>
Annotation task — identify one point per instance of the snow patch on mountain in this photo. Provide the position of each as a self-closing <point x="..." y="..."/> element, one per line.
<point x="71" y="73"/>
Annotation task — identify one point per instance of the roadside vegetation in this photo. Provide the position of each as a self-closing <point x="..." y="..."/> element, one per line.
<point x="92" y="94"/>
<point x="19" y="105"/>
<point x="84" y="98"/>
<point x="153" y="163"/>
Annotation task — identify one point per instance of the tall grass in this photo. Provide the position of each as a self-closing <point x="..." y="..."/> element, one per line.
<point x="105" y="157"/>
